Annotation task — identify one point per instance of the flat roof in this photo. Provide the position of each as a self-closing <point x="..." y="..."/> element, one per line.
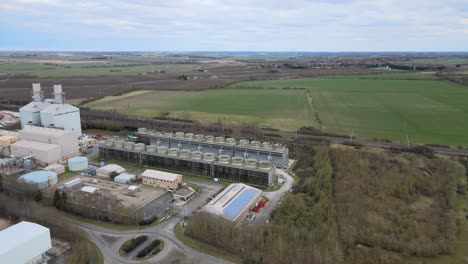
<point x="184" y="192"/>
<point x="89" y="189"/>
<point x="45" y="131"/>
<point x="133" y="187"/>
<point x="232" y="200"/>
<point x="35" y="145"/>
<point x="160" y="175"/>
<point x="24" y="236"/>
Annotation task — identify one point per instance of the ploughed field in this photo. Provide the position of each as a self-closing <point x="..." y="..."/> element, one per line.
<point x="276" y="108"/>
<point x="400" y="107"/>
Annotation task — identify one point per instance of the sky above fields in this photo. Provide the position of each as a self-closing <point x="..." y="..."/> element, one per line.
<point x="234" y="25"/>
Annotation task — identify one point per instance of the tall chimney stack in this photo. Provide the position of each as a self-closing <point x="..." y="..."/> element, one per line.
<point x="37" y="95"/>
<point x="58" y="94"/>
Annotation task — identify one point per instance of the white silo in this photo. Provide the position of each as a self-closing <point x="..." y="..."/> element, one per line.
<point x="30" y="114"/>
<point x="61" y="115"/>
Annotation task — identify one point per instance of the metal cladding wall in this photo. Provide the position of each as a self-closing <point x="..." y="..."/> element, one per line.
<point x="64" y="116"/>
<point x="30" y="113"/>
<point x="24" y="243"/>
<point x="206" y="168"/>
<point x="198" y="167"/>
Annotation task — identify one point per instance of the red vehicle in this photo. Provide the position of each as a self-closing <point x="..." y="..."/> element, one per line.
<point x="98" y="136"/>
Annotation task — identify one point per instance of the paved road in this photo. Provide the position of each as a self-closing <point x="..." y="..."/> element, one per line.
<point x="109" y="241"/>
<point x="110" y="247"/>
<point x="274" y="197"/>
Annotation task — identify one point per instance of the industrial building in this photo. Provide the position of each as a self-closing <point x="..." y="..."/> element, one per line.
<point x="78" y="163"/>
<point x="184" y="194"/>
<point x="161" y="179"/>
<point x="68" y="141"/>
<point x="7" y="140"/>
<point x="125" y="178"/>
<point x="108" y="169"/>
<point x="57" y="168"/>
<point x="52" y="113"/>
<point x="277" y="154"/>
<point x="207" y="164"/>
<point x="39" y="179"/>
<point x="43" y="152"/>
<point x="24" y="242"/>
<point x="46" y="145"/>
<point x="234" y="202"/>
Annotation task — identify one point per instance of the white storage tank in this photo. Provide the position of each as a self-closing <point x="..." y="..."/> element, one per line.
<point x="78" y="163"/>
<point x="39" y="179"/>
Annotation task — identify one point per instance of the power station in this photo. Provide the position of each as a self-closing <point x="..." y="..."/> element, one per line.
<point x="51" y="113"/>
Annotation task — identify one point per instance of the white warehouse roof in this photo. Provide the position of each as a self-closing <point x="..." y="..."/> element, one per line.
<point x="43" y="131"/>
<point x="89" y="189"/>
<point x="160" y="175"/>
<point x="23" y="242"/>
<point x="125" y="177"/>
<point x="233" y="200"/>
<point x="109" y="168"/>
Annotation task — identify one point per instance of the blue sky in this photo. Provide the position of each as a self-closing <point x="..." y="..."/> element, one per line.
<point x="234" y="25"/>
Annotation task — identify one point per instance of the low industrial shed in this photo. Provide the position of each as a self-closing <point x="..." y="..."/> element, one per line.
<point x="124" y="178"/>
<point x="43" y="152"/>
<point x="106" y="170"/>
<point x="25" y="242"/>
<point x="234" y="202"/>
<point x="57" y="168"/>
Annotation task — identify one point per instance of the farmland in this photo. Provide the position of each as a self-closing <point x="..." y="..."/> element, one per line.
<point x="420" y="110"/>
<point x="278" y="108"/>
<point x="48" y="69"/>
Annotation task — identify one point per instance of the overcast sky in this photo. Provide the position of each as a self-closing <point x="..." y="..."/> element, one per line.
<point x="234" y="25"/>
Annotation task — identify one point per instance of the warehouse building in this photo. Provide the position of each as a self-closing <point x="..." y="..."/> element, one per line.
<point x="205" y="164"/>
<point x="108" y="169"/>
<point x="277" y="154"/>
<point x="52" y="113"/>
<point x="39" y="179"/>
<point x="234" y="202"/>
<point x="24" y="242"/>
<point x="161" y="179"/>
<point x="67" y="140"/>
<point x="43" y="152"/>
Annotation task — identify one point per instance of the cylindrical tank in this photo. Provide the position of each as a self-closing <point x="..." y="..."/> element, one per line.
<point x="196" y="155"/>
<point x="237" y="161"/>
<point x="199" y="137"/>
<point x="109" y="143"/>
<point x="231" y="141"/>
<point x="151" y="148"/>
<point x="39" y="179"/>
<point x="140" y="147"/>
<point x="173" y="152"/>
<point x="209" y="138"/>
<point x="264" y="164"/>
<point x="129" y="145"/>
<point x="220" y="139"/>
<point x="267" y="145"/>
<point x="256" y="144"/>
<point x="189" y="136"/>
<point x="179" y="134"/>
<point x="162" y="150"/>
<point x="251" y="163"/>
<point x="224" y="158"/>
<point x="142" y="129"/>
<point x="209" y="156"/>
<point x="169" y="134"/>
<point x="185" y="153"/>
<point x="244" y="142"/>
<point x="78" y="163"/>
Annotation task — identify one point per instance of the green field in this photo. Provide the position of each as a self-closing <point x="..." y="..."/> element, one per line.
<point x="275" y="108"/>
<point x="427" y="111"/>
<point x="42" y="69"/>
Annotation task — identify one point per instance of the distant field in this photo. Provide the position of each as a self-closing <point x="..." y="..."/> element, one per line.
<point x="436" y="61"/>
<point x="282" y="109"/>
<point x="427" y="111"/>
<point x="44" y="69"/>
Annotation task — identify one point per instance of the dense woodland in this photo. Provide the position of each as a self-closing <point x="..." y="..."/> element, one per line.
<point x="352" y="206"/>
